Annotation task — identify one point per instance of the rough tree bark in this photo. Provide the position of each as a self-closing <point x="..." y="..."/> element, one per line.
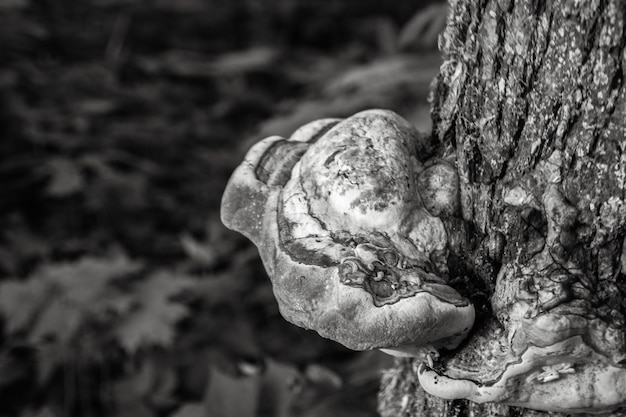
<point x="531" y="96"/>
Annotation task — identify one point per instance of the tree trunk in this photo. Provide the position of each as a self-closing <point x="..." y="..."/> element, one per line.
<point x="531" y="96"/>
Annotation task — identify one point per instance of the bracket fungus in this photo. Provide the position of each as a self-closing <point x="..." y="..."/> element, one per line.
<point x="346" y="217"/>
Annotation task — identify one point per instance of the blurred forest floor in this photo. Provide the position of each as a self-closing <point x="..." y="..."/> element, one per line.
<point x="120" y="291"/>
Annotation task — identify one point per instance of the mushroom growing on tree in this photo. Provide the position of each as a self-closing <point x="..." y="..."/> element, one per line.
<point x="499" y="240"/>
<point x="349" y="219"/>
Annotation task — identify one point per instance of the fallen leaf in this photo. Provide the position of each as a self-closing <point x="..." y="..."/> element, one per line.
<point x="321" y="375"/>
<point x="384" y="75"/>
<point x="228" y="396"/>
<point x="279" y="389"/>
<point x="153" y="321"/>
<point x="83" y="283"/>
<point x="20" y="302"/>
<point x="55" y="300"/>
<point x="203" y="253"/>
<point x="424" y="27"/>
<point x="59" y="322"/>
<point x="245" y="61"/>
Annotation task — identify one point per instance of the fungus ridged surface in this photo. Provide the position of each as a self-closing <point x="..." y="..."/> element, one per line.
<point x="345" y="236"/>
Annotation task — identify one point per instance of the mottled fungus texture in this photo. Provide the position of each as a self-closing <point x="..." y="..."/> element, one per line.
<point x="342" y="214"/>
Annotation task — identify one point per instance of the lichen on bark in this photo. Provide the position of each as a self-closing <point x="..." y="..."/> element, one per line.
<point x="531" y="99"/>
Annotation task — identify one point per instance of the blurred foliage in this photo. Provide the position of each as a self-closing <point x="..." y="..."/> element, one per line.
<point x="120" y="291"/>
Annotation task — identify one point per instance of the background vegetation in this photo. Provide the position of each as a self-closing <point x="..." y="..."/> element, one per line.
<point x="121" y="120"/>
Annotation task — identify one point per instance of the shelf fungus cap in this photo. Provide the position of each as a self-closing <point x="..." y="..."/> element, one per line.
<point x="567" y="376"/>
<point x="344" y="235"/>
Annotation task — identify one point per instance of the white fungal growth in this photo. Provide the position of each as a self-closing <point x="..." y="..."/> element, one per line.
<point x="345" y="216"/>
